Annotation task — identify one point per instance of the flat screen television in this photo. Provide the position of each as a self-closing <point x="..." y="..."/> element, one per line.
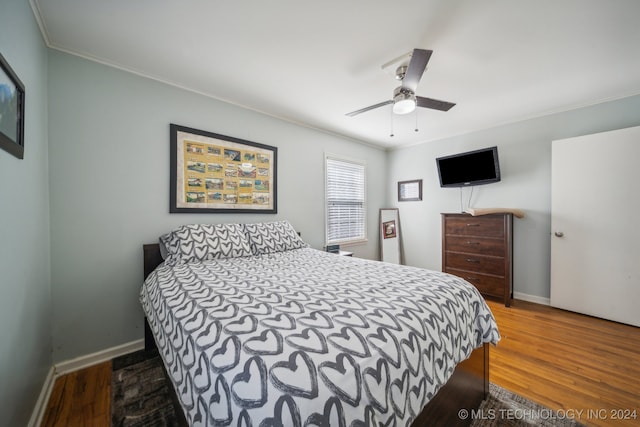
<point x="471" y="168"/>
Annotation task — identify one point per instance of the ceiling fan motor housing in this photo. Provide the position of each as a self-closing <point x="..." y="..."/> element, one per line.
<point x="401" y="71"/>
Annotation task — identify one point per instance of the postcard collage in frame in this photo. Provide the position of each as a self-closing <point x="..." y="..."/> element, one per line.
<point x="215" y="173"/>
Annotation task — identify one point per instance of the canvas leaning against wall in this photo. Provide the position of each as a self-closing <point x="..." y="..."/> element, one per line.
<point x="218" y="173"/>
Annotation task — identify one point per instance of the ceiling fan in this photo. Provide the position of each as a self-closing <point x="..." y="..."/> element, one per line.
<point x="404" y="96"/>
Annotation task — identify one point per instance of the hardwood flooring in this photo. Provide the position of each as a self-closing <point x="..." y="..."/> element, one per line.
<point x="81" y="398"/>
<point x="585" y="366"/>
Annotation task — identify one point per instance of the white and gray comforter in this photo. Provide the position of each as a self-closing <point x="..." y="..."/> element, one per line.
<point x="308" y="338"/>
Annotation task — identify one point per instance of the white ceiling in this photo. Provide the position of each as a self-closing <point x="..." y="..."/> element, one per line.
<point x="311" y="62"/>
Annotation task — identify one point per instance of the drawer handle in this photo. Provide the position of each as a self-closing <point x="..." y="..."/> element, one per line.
<point x="475" y="261"/>
<point x="473" y="279"/>
<point x="475" y="224"/>
<point x="473" y="243"/>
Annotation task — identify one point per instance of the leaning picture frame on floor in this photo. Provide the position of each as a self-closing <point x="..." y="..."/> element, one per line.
<point x="389" y="229"/>
<point x="12" y="96"/>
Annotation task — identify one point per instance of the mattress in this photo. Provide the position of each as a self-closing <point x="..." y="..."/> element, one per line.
<point x="305" y="337"/>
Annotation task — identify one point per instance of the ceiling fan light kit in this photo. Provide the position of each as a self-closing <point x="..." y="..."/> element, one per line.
<point x="404" y="99"/>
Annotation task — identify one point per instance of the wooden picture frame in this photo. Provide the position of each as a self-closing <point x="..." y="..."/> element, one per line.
<point x="410" y="191"/>
<point x="12" y="96"/>
<point x="213" y="173"/>
<point x="389" y="229"/>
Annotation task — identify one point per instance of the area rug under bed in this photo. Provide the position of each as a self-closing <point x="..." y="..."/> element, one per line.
<point x="504" y="408"/>
<point x="140" y="397"/>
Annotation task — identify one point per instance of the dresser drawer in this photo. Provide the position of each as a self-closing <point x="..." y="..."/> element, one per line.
<point x="475" y="226"/>
<point x="487" y="285"/>
<point x="472" y="262"/>
<point x="475" y="245"/>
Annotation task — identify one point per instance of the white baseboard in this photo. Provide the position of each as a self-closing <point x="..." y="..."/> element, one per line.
<point x="98" y="357"/>
<point x="43" y="399"/>
<point x="532" y="298"/>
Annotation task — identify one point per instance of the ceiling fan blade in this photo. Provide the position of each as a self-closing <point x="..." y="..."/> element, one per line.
<point x="371" y="107"/>
<point x="415" y="70"/>
<point x="434" y="104"/>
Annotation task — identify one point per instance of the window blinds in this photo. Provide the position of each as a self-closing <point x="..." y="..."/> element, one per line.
<point x="346" y="205"/>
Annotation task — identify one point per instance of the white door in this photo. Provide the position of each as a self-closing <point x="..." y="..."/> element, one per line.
<point x="595" y="220"/>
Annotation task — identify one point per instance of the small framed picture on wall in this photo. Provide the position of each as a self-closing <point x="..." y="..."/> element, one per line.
<point x="410" y="191"/>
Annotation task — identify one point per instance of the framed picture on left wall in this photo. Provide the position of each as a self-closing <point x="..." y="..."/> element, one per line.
<point x="218" y="173"/>
<point x="11" y="110"/>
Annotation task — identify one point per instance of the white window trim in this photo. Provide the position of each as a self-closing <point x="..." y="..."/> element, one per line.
<point x="346" y="242"/>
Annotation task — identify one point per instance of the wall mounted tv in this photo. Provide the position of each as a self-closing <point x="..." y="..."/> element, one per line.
<point x="471" y="168"/>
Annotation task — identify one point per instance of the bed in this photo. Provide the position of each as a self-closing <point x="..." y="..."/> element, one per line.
<point x="257" y="329"/>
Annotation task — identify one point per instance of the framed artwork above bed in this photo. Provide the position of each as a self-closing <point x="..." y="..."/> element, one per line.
<point x="218" y="173"/>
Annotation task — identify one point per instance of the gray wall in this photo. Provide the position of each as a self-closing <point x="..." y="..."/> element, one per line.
<point x="25" y="296"/>
<point x="109" y="161"/>
<point x="525" y="159"/>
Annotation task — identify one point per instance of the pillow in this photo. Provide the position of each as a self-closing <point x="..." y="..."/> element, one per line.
<point x="201" y="242"/>
<point x="163" y="242"/>
<point x="268" y="237"/>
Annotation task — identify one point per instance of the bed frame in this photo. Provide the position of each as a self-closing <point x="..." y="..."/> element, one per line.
<point x="466" y="389"/>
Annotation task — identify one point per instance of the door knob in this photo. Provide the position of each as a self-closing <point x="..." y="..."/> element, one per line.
<point x="559" y="234"/>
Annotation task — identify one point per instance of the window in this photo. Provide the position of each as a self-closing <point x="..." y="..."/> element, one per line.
<point x="345" y="198"/>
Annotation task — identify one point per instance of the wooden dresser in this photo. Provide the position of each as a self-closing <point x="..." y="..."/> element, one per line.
<point x="479" y="249"/>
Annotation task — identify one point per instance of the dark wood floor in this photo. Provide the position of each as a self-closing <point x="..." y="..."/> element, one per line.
<point x="562" y="360"/>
